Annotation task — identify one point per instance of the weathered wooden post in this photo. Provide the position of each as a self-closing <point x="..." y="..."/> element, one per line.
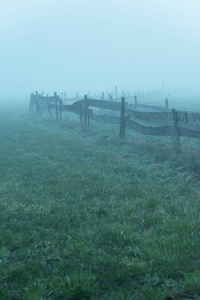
<point x="81" y="113"/>
<point x="48" y="106"/>
<point x="116" y="92"/>
<point x="122" y="133"/>
<point x="166" y="103"/>
<point x="31" y="104"/>
<point x="186" y="117"/>
<point x="177" y="136"/>
<point x="60" y="108"/>
<point x="135" y="99"/>
<point x="86" y="111"/>
<point x="37" y="103"/>
<point x="56" y="105"/>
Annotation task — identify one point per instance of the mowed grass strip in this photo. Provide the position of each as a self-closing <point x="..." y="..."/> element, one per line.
<point x="85" y="217"/>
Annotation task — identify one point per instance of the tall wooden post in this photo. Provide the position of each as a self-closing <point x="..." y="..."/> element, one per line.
<point x="116" y="92"/>
<point x="166" y="103"/>
<point x="86" y="111"/>
<point x="122" y="133"/>
<point x="186" y="117"/>
<point x="60" y="108"/>
<point x="37" y="103"/>
<point x="56" y="105"/>
<point x="135" y="99"/>
<point x="31" y="104"/>
<point x="177" y="136"/>
<point x="81" y="113"/>
<point x="48" y="106"/>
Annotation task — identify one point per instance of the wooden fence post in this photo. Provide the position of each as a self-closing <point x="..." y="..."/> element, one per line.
<point x="31" y="104"/>
<point x="116" y="92"/>
<point x="122" y="133"/>
<point x="81" y="113"/>
<point x="37" y="103"/>
<point x="56" y="104"/>
<point x="86" y="111"/>
<point x="166" y="103"/>
<point x="177" y="136"/>
<point x="60" y="108"/>
<point x="135" y="99"/>
<point x="48" y="106"/>
<point x="186" y="117"/>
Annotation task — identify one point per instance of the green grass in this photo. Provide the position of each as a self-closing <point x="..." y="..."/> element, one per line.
<point x="83" y="216"/>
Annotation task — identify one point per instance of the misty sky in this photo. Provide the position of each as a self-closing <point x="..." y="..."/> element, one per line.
<point x="93" y="45"/>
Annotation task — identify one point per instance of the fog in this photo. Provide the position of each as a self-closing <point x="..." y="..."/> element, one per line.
<point x="63" y="45"/>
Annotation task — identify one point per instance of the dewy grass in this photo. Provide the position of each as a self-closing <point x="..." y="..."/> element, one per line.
<point x="85" y="217"/>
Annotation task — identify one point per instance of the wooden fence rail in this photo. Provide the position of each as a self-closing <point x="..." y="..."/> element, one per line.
<point x="129" y="115"/>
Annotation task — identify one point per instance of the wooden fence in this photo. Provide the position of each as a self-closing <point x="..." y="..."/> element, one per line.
<point x="165" y="121"/>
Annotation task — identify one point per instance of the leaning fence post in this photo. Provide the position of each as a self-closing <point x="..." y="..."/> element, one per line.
<point x="60" y="108"/>
<point x="122" y="119"/>
<point x="166" y="103"/>
<point x="86" y="110"/>
<point x="186" y="117"/>
<point x="37" y="103"/>
<point x="56" y="105"/>
<point x="177" y="141"/>
<point x="81" y="113"/>
<point x="116" y="92"/>
<point x="48" y="106"/>
<point x="31" y="104"/>
<point x="135" y="99"/>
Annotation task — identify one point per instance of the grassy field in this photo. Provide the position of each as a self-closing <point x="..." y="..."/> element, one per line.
<point x="84" y="216"/>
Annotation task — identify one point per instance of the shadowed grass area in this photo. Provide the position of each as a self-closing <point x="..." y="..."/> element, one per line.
<point x="83" y="216"/>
